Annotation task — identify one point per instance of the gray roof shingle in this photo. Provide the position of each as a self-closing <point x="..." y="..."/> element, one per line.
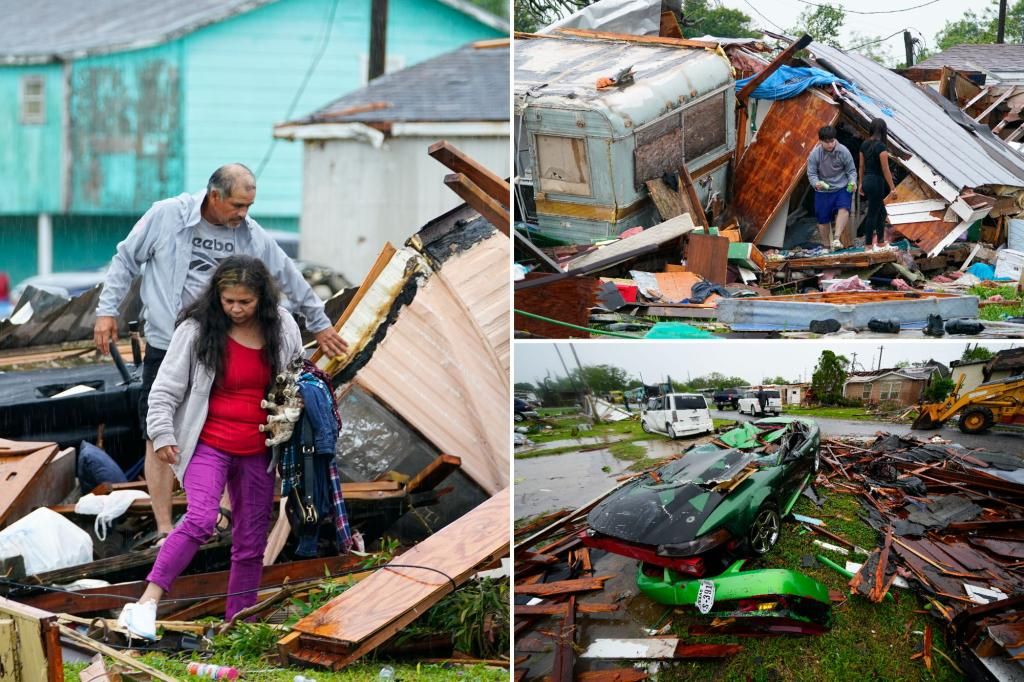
<point x="971" y="57"/>
<point x="42" y="30"/>
<point x="468" y="84"/>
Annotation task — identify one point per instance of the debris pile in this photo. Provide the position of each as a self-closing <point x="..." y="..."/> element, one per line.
<point x="681" y="193"/>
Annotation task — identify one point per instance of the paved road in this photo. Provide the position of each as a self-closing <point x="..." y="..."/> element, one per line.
<point x="993" y="440"/>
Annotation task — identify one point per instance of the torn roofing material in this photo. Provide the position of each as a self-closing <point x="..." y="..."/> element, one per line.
<point x="562" y="71"/>
<point x="964" y="156"/>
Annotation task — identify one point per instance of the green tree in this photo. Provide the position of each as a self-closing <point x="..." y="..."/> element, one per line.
<point x="715" y="380"/>
<point x="524" y="386"/>
<point x="872" y="47"/>
<point x="822" y="23"/>
<point x="602" y="378"/>
<point x="498" y="7"/>
<point x="981" y="27"/>
<point x="701" y="18"/>
<point x="902" y="364"/>
<point x="531" y="15"/>
<point x="775" y="380"/>
<point x="829" y="377"/>
<point x="976" y="353"/>
<point x="938" y="390"/>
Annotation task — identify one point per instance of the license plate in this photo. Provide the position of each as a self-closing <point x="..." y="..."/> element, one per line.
<point x="705" y="596"/>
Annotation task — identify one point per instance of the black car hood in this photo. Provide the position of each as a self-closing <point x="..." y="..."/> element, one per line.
<point x="671" y="511"/>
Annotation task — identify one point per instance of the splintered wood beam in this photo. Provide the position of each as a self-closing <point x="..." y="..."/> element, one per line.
<point x="453" y="158"/>
<point x="534" y="250"/>
<point x="640" y="40"/>
<point x="479" y="201"/>
<point x="432" y="474"/>
<point x="687" y="189"/>
<point x="565" y="658"/>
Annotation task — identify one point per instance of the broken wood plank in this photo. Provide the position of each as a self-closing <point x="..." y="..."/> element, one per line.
<point x="657" y="648"/>
<point x="401" y="593"/>
<point x="689" y="194"/>
<point x="18" y="471"/>
<point x="640" y="40"/>
<point x="616" y="675"/>
<point x="491" y="209"/>
<point x="457" y="161"/>
<point x="563" y="586"/>
<point x="565" y="653"/>
<point x="431" y="475"/>
<point x="667" y="201"/>
<point x="81" y="640"/>
<point x="559" y="609"/>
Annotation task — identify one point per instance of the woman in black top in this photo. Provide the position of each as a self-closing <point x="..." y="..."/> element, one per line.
<point x="874" y="179"/>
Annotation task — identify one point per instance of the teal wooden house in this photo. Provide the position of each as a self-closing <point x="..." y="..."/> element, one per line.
<point x="109" y="105"/>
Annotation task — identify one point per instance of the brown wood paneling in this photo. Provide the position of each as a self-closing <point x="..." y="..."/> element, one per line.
<point x="17" y="473"/>
<point x="568" y="300"/>
<point x="708" y="256"/>
<point x="776" y="161"/>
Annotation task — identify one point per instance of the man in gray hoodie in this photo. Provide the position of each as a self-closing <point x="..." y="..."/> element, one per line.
<point x="833" y="176"/>
<point x="180" y="241"/>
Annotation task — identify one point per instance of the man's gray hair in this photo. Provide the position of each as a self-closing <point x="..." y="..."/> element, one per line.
<point x="229" y="177"/>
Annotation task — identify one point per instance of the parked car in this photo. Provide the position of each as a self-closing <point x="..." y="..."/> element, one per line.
<point x="751" y="404"/>
<point x="726" y="398"/>
<point x="523" y="411"/>
<point x="677" y="414"/>
<point x="696" y="514"/>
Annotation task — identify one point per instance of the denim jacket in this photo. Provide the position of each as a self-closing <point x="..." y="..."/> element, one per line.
<point x="162" y="241"/>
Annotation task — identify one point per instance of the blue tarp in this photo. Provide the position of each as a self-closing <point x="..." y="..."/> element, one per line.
<point x="790" y="81"/>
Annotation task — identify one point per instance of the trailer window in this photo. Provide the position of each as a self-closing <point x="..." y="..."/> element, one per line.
<point x="563" y="166"/>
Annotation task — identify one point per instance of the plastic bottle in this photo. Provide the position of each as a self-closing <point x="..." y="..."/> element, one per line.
<point x="212" y="672"/>
<point x="386" y="673"/>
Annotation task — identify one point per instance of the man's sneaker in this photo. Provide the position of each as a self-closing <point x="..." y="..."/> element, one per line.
<point x="828" y="326"/>
<point x="836" y="245"/>
<point x="139" y="619"/>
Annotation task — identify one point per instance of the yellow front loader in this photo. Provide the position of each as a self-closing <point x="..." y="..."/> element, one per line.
<point x="997" y="402"/>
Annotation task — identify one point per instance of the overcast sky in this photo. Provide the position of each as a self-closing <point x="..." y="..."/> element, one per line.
<point x="752" y="360"/>
<point x="927" y="20"/>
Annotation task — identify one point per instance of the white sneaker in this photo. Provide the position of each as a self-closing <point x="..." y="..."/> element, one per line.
<point x="836" y="244"/>
<point x="139" y="619"/>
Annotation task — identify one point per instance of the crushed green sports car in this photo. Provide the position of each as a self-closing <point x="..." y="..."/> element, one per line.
<point x="718" y="501"/>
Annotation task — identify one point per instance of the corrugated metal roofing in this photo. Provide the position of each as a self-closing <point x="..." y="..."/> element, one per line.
<point x="999" y="58"/>
<point x="467" y="84"/>
<point x="912" y="373"/>
<point x="42" y="30"/>
<point x="963" y="152"/>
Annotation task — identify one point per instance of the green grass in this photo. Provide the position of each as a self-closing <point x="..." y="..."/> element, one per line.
<point x="867" y="641"/>
<point x="724" y="424"/>
<point x="569" y="427"/>
<point x="360" y="672"/>
<point x="847" y="413"/>
<point x="1014" y="306"/>
<point x="555" y="411"/>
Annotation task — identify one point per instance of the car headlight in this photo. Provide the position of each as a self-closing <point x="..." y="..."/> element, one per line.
<point x="698" y="546"/>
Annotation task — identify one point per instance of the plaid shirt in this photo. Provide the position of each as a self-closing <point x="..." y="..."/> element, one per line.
<point x="322" y="411"/>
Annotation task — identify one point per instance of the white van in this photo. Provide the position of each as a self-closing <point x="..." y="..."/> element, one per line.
<point x="748" y="403"/>
<point x="677" y="414"/>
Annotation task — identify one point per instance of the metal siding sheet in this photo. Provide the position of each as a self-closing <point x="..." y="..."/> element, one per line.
<point x="436" y="370"/>
<point x="919" y="123"/>
<point x="30" y="156"/>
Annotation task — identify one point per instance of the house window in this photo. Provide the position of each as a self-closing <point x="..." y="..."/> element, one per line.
<point x="33" y="109"/>
<point x="866" y="395"/>
<point x="562" y="163"/>
<point x="891" y="390"/>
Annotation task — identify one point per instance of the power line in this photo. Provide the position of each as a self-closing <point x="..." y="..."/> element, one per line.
<point x="853" y="11"/>
<point x="872" y="42"/>
<point x="302" y="87"/>
<point x="764" y="17"/>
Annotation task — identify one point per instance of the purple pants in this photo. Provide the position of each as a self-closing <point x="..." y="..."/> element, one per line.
<point x="251" y="490"/>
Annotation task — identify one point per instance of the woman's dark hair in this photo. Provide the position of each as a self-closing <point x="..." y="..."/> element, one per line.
<point x="214" y="323"/>
<point x="878" y="129"/>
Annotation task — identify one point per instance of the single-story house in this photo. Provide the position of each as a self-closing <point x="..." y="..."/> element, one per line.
<point x="902" y="385"/>
<point x="973" y="372"/>
<point x="1006" y="363"/>
<point x="366" y="172"/>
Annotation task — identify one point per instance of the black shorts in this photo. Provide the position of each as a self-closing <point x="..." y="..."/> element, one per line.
<point x="150" y="366"/>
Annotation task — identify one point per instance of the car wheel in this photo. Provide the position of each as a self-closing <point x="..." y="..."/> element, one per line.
<point x="670" y="431"/>
<point x="976" y="419"/>
<point x="764" y="531"/>
<point x="643" y="425"/>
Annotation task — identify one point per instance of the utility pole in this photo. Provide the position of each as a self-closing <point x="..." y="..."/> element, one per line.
<point x="880" y="349"/>
<point x="1001" y="30"/>
<point x="572" y="382"/>
<point x="908" y="45"/>
<point x="853" y="363"/>
<point x="583" y="376"/>
<point x="378" y="38"/>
